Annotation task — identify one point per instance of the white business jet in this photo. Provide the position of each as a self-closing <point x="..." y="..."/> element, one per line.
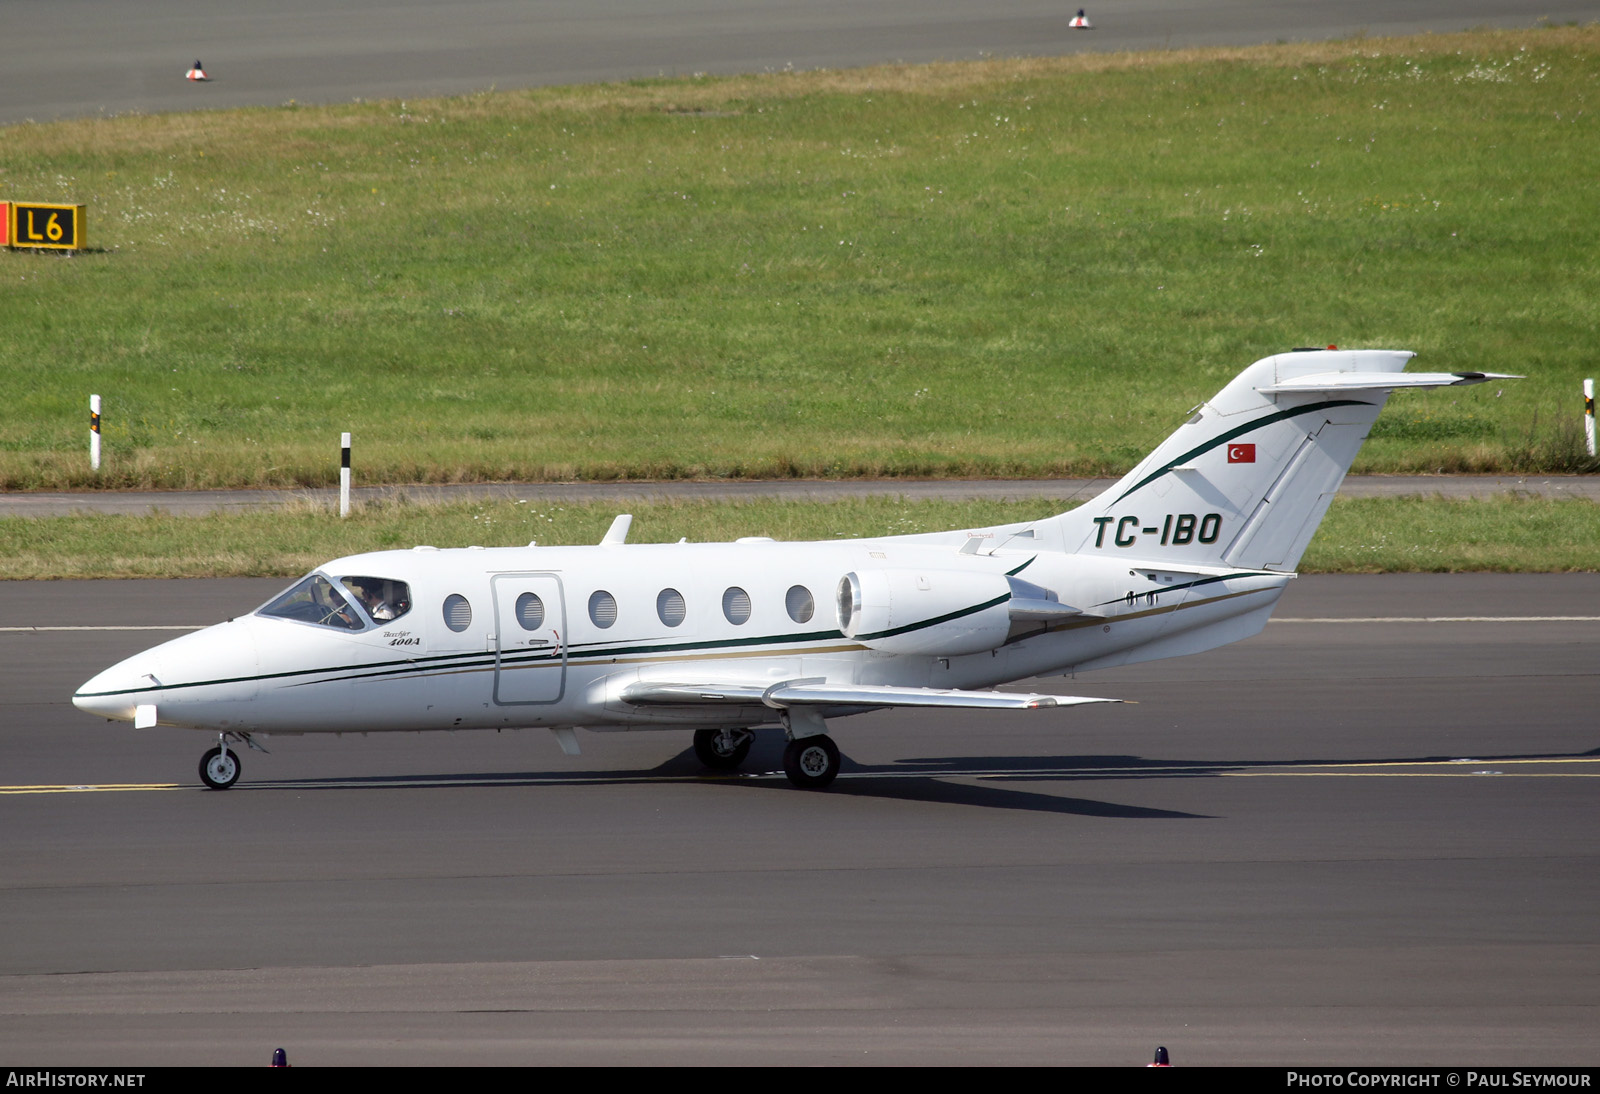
<point x="1189" y="551"/>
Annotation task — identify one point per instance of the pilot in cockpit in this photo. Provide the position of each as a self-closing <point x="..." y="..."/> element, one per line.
<point x="334" y="608"/>
<point x="383" y="600"/>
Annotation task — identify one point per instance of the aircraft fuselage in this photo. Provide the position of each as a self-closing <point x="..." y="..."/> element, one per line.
<point x="751" y="613"/>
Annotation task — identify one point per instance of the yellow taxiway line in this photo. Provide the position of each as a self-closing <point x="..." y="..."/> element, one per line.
<point x="84" y="789"/>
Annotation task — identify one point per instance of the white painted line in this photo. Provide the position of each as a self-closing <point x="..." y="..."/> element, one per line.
<point x="1440" y="619"/>
<point x="185" y="627"/>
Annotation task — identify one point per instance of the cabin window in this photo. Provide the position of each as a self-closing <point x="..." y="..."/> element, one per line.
<point x="800" y="604"/>
<point x="736" y="605"/>
<point x="530" y="611"/>
<point x="382" y="599"/>
<point x="457" y="612"/>
<point x="316" y="600"/>
<point x="670" y="607"/>
<point x="602" y="609"/>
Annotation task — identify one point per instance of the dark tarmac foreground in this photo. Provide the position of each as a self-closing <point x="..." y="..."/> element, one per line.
<point x="1366" y="836"/>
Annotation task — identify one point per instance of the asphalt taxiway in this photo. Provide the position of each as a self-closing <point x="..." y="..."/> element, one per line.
<point x="74" y="58"/>
<point x="1368" y="835"/>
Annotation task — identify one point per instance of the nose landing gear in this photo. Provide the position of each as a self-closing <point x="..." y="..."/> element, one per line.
<point x="220" y="768"/>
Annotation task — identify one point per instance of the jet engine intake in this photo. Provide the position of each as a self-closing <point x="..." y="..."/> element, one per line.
<point x="938" y="613"/>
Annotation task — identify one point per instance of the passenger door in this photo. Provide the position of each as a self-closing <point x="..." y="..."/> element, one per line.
<point x="530" y="628"/>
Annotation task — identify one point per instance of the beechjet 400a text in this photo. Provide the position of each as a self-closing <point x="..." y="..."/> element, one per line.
<point x="1189" y="551"/>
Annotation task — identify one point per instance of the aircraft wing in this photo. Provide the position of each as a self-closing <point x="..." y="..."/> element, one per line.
<point x="1380" y="381"/>
<point x="809" y="692"/>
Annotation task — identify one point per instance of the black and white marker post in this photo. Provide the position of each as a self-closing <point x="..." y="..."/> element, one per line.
<point x="94" y="433"/>
<point x="344" y="475"/>
<point x="1588" y="415"/>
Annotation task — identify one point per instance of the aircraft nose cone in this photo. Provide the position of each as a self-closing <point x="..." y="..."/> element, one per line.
<point x="187" y="673"/>
<point x="116" y="691"/>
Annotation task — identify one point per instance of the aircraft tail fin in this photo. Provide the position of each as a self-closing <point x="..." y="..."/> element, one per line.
<point x="1246" y="480"/>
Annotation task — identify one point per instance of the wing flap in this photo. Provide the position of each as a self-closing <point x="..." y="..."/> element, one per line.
<point x="800" y="693"/>
<point x="690" y="694"/>
<point x="816" y="692"/>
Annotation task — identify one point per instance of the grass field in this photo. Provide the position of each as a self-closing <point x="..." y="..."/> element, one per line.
<point x="1369" y="535"/>
<point x="1014" y="267"/>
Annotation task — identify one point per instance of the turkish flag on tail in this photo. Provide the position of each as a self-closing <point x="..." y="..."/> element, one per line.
<point x="1241" y="453"/>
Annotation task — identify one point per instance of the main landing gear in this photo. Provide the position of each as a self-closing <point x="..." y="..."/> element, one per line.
<point x="220" y="768"/>
<point x="722" y="749"/>
<point x="811" y="762"/>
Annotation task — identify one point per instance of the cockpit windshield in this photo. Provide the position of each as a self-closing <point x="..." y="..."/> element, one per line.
<point x="316" y="600"/>
<point x="362" y="602"/>
<point x="383" y="599"/>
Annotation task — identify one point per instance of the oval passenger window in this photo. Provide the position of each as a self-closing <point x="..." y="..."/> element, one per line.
<point x="530" y="611"/>
<point x="800" y="604"/>
<point x="457" y="612"/>
<point x="602" y="609"/>
<point x="670" y="607"/>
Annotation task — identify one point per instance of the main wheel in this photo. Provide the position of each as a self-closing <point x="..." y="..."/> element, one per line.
<point x="811" y="762"/>
<point x="711" y="748"/>
<point x="218" y="769"/>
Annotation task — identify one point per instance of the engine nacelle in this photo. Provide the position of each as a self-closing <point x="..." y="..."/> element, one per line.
<point x="940" y="613"/>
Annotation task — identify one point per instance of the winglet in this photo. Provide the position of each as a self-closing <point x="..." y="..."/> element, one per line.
<point x="618" y="532"/>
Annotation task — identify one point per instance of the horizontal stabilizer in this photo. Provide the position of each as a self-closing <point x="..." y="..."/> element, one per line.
<point x="817" y="693"/>
<point x="1379" y="381"/>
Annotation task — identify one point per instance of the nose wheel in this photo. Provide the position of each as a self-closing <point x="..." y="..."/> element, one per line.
<point x="219" y="768"/>
<point x="811" y="762"/>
